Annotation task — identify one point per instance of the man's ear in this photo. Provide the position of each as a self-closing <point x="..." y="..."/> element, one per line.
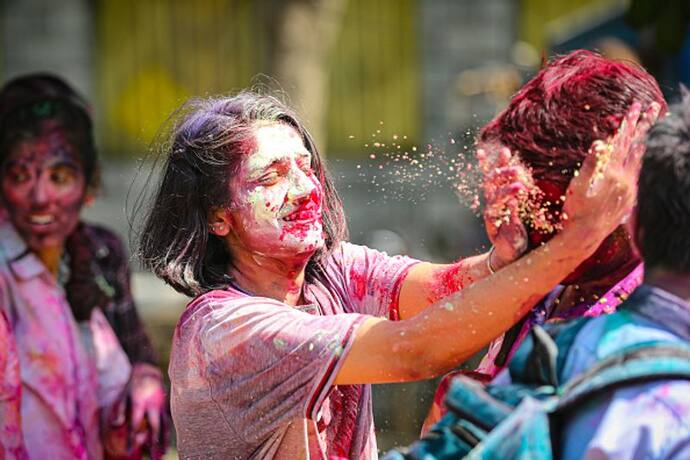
<point x="220" y="221"/>
<point x="636" y="232"/>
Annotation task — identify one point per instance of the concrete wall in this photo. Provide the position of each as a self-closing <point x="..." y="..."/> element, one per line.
<point x="45" y="35"/>
<point x="456" y="36"/>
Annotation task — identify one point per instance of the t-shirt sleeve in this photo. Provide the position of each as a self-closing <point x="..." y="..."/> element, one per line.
<point x="371" y="280"/>
<point x="268" y="364"/>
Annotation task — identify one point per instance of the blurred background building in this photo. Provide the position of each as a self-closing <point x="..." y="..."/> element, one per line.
<point x="380" y="83"/>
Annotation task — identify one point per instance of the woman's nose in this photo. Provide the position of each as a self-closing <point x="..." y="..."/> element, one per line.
<point x="301" y="184"/>
<point x="40" y="192"/>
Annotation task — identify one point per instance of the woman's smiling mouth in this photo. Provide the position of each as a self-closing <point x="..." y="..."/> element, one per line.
<point x="41" y="219"/>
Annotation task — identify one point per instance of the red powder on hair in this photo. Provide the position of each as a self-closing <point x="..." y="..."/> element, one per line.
<point x="573" y="101"/>
<point x="552" y="121"/>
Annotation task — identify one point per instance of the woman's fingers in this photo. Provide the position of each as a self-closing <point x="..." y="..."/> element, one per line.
<point x="622" y="152"/>
<point x="137" y="416"/>
<point x="638" y="147"/>
<point x="624" y="136"/>
<point x="491" y="160"/>
<point x="509" y="235"/>
<point x="511" y="193"/>
<point x="582" y="182"/>
<point x="154" y="418"/>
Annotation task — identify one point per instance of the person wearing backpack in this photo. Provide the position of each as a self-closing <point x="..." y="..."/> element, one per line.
<point x="650" y="419"/>
<point x="547" y="130"/>
<point x="612" y="387"/>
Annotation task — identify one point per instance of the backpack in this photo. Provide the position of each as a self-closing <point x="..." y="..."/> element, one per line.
<point x="522" y="421"/>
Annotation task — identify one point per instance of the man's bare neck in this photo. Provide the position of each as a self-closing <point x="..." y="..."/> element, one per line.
<point x="51" y="258"/>
<point x="677" y="284"/>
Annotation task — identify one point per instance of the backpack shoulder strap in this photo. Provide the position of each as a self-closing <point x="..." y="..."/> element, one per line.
<point x="641" y="363"/>
<point x="540" y="358"/>
<point x="565" y="336"/>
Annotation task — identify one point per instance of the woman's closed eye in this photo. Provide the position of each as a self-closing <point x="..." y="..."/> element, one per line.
<point x="270" y="178"/>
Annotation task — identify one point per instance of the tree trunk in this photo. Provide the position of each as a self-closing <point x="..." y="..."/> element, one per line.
<point x="306" y="35"/>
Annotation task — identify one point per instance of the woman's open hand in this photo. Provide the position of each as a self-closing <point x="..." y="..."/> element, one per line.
<point x="604" y="190"/>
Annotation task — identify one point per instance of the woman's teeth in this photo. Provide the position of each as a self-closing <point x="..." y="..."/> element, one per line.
<point x="41" y="219"/>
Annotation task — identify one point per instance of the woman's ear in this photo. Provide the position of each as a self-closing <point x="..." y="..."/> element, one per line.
<point x="220" y="221"/>
<point x="89" y="196"/>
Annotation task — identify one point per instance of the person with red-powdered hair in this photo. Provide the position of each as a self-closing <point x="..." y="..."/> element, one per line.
<point x="551" y="125"/>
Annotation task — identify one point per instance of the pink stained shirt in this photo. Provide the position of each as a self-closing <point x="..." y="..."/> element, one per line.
<point x="68" y="371"/>
<point x="11" y="442"/>
<point x="252" y="378"/>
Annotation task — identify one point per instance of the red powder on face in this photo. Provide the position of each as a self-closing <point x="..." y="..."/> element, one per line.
<point x="447" y="281"/>
<point x="310" y="205"/>
<point x="247" y="145"/>
<point x="299" y="230"/>
<point x="551" y="204"/>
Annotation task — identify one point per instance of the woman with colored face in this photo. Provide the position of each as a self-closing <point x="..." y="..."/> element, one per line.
<point x="44" y="189"/>
<point x="290" y="324"/>
<point x="64" y="291"/>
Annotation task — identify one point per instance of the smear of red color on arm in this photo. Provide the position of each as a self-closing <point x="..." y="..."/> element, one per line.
<point x="447" y="281"/>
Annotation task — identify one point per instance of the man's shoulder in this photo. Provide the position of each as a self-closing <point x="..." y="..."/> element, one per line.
<point x="650" y="314"/>
<point x="640" y="320"/>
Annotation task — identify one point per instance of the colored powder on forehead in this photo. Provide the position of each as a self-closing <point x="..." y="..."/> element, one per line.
<point x="51" y="141"/>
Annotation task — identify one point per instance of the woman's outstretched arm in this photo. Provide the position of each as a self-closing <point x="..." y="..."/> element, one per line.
<point x="457" y="326"/>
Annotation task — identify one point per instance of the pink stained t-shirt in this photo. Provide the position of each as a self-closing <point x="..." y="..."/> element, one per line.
<point x="68" y="372"/>
<point x="11" y="442"/>
<point x="252" y="378"/>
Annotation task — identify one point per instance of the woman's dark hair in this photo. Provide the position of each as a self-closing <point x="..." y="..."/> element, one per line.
<point x="27" y="102"/>
<point x="208" y="139"/>
<point x="663" y="200"/>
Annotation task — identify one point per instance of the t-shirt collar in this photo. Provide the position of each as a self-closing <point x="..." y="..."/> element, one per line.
<point x="23" y="263"/>
<point x="312" y="307"/>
